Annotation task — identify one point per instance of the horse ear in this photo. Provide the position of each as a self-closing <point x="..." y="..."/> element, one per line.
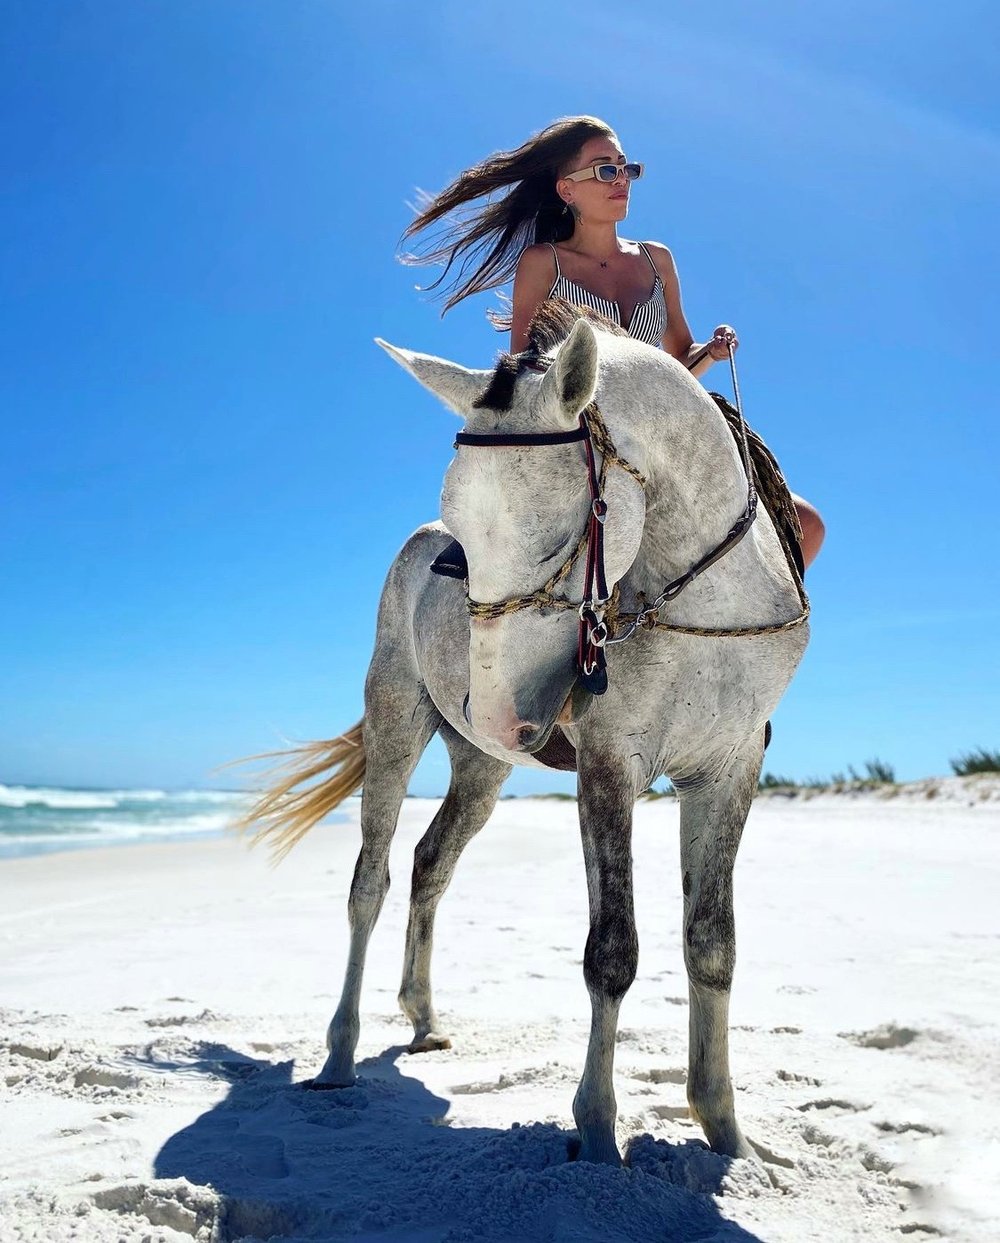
<point x="458" y="387"/>
<point x="569" y="383"/>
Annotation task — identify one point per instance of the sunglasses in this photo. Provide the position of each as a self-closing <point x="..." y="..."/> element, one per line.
<point x="608" y="172"/>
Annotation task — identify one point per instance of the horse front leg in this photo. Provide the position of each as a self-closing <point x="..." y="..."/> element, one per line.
<point x="714" y="809"/>
<point x="399" y="723"/>
<point x="476" y="779"/>
<point x="606" y="799"/>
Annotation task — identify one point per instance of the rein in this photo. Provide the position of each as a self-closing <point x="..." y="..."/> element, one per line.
<point x="594" y="632"/>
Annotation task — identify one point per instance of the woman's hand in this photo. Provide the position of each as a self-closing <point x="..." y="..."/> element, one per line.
<point x="723" y="337"/>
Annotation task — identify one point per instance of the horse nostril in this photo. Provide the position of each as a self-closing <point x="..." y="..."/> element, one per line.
<point x="465" y="710"/>
<point x="526" y="735"/>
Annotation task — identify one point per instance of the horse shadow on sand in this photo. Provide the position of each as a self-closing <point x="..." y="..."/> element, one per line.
<point x="380" y="1163"/>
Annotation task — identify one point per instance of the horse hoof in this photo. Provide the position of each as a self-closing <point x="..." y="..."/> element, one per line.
<point x="599" y="1152"/>
<point x="336" y="1073"/>
<point x="728" y="1141"/>
<point x="315" y="1085"/>
<point x="429" y="1043"/>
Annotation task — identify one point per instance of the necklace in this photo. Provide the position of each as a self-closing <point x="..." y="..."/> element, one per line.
<point x="601" y="262"/>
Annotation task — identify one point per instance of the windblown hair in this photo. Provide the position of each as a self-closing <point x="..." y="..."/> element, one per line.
<point x="487" y="241"/>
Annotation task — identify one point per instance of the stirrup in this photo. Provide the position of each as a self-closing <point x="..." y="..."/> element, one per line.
<point x="452" y="562"/>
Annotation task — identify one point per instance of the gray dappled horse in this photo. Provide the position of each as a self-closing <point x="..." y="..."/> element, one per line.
<point x="687" y="696"/>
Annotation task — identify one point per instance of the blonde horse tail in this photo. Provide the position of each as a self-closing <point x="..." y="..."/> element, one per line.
<point x="282" y="813"/>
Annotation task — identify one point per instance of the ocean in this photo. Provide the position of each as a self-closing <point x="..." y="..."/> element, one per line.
<point x="38" y="819"/>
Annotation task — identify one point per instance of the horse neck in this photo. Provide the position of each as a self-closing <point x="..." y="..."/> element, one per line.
<point x="696" y="490"/>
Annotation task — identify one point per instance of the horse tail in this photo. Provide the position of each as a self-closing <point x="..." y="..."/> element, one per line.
<point x="283" y="814"/>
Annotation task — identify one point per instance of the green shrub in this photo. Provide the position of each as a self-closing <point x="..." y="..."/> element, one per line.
<point x="981" y="761"/>
<point x="769" y="781"/>
<point x="880" y="772"/>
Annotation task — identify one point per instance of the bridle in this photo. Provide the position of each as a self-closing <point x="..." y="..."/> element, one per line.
<point x="595" y="633"/>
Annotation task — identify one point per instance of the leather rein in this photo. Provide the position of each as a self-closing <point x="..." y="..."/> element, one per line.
<point x="594" y="631"/>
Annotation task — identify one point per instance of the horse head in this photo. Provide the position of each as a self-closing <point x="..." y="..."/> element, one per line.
<point x="522" y="511"/>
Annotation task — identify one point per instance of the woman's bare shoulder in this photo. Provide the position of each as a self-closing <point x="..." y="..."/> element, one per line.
<point x="662" y="256"/>
<point x="536" y="258"/>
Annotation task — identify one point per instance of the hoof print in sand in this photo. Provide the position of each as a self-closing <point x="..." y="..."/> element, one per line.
<point x="817" y="1138"/>
<point x="671" y="1113"/>
<point x="516" y="1079"/>
<point x="665" y="1074"/>
<point x="906" y="1128"/>
<point x="831" y="1102"/>
<point x="105" y="1077"/>
<point x="175" y="1204"/>
<point x="875" y="1162"/>
<point x="887" y="1036"/>
<point x="770" y="1157"/>
<point x="790" y="1076"/>
<point x="38" y="1053"/>
<point x="181" y="1020"/>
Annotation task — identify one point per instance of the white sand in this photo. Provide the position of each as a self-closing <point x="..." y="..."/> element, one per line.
<point x="161" y="1003"/>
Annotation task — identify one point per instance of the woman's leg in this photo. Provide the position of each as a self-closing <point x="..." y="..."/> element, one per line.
<point x="813" y="529"/>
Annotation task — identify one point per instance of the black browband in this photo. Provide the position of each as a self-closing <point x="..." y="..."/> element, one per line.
<point x="514" y="439"/>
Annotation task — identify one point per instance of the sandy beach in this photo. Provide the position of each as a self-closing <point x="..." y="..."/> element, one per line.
<point x="162" y="1005"/>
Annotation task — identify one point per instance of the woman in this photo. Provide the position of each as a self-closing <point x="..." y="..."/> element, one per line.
<point x="556" y="232"/>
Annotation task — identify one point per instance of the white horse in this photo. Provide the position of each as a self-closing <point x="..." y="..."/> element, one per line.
<point x="688" y="697"/>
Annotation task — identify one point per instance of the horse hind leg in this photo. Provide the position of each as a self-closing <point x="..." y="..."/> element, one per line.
<point x="476" y="779"/>
<point x="400" y="720"/>
<point x="713" y="812"/>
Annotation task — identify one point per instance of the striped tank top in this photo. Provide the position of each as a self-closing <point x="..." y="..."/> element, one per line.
<point x="649" y="319"/>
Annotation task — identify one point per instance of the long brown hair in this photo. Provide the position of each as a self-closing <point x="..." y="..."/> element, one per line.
<point x="486" y="242"/>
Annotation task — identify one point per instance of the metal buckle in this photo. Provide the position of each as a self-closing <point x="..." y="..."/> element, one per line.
<point x="594" y="607"/>
<point x="597" y="635"/>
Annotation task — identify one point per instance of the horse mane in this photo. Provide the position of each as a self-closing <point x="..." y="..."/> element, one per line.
<point x="550" y="326"/>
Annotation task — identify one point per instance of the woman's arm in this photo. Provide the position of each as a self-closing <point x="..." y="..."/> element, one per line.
<point x="533" y="279"/>
<point x="677" y="340"/>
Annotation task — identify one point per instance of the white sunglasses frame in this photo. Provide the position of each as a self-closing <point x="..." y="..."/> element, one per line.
<point x="583" y="174"/>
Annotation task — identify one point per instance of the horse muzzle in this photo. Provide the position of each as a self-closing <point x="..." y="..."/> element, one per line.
<point x="510" y="731"/>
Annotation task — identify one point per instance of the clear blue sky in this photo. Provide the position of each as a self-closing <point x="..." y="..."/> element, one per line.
<point x="209" y="465"/>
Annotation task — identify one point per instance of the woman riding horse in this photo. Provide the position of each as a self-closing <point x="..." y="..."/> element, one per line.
<point x="556" y="233"/>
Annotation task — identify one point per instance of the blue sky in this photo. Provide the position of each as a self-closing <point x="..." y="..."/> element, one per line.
<point x="209" y="465"/>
